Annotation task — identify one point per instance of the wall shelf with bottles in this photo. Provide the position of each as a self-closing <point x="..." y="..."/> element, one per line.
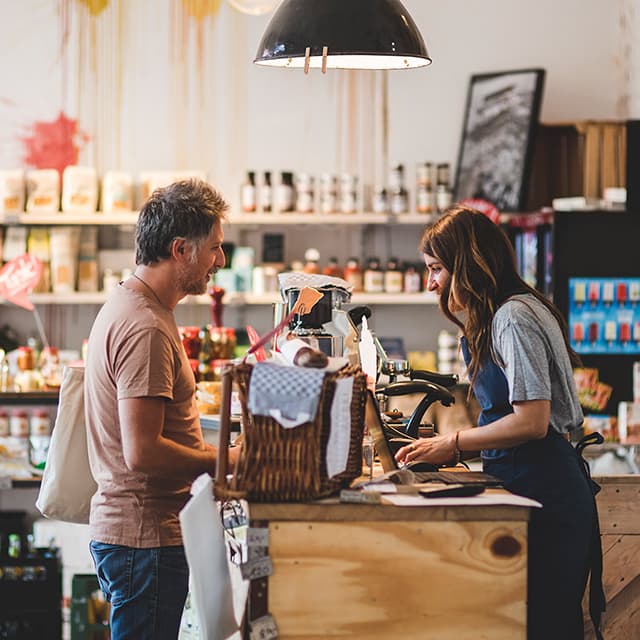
<point x="237" y="299"/>
<point x="58" y="218"/>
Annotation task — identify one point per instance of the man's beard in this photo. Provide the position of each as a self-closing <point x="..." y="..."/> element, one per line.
<point x="191" y="286"/>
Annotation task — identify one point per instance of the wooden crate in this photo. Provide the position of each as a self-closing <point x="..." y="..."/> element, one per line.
<point x="619" y="510"/>
<point x="376" y="572"/>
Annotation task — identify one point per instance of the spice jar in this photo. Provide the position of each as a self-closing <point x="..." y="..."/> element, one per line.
<point x="4" y="424"/>
<point x="353" y="274"/>
<point x="19" y="424"/>
<point x="373" y="277"/>
<point x="40" y="423"/>
<point x="26" y="359"/>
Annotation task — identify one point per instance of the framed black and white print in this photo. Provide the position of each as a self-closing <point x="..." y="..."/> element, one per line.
<point x="495" y="150"/>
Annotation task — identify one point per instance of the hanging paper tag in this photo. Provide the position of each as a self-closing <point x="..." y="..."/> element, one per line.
<point x="307" y="299"/>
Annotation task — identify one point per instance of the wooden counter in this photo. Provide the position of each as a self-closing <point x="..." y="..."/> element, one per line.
<point x="381" y="572"/>
<point x="619" y="511"/>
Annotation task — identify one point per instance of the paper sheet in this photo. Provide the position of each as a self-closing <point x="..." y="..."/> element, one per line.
<point x="482" y="500"/>
<point x="206" y="552"/>
<point x="340" y="435"/>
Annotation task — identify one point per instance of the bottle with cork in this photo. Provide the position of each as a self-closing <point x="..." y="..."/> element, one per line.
<point x="443" y="188"/>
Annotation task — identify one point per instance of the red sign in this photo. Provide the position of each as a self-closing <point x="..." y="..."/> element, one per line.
<point x="18" y="278"/>
<point x="483" y="206"/>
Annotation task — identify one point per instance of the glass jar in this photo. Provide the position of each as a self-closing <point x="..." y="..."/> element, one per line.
<point x="26" y="359"/>
<point x="19" y="424"/>
<point x="353" y="274"/>
<point x="40" y="423"/>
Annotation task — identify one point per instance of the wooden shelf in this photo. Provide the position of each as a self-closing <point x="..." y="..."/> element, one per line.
<point x="238" y="299"/>
<point x="128" y="218"/>
<point x="28" y="397"/>
<point x="59" y="218"/>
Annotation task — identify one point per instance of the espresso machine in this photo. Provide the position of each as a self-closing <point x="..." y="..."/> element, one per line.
<point x="326" y="327"/>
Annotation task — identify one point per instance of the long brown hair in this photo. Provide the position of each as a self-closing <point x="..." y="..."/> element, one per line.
<point x="480" y="258"/>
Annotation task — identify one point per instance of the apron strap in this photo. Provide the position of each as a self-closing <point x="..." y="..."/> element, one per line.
<point x="597" y="600"/>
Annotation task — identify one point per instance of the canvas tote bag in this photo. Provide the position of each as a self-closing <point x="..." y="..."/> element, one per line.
<point x="67" y="483"/>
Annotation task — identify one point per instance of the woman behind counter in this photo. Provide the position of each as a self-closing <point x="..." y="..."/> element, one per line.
<point x="519" y="363"/>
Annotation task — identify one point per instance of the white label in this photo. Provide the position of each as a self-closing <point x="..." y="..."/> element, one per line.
<point x="259" y="568"/>
<point x="263" y="628"/>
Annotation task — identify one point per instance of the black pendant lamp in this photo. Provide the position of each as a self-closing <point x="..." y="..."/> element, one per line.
<point x="342" y="34"/>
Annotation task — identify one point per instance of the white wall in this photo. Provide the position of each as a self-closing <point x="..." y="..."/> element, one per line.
<point x="150" y="97"/>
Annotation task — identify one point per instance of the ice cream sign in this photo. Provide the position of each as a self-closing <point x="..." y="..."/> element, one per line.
<point x="18" y="278"/>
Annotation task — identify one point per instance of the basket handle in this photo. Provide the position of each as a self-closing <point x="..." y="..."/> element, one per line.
<point x="225" y="426"/>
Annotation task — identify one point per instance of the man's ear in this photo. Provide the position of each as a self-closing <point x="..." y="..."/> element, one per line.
<point x="178" y="247"/>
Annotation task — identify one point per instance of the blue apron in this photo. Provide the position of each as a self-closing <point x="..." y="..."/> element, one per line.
<point x="564" y="537"/>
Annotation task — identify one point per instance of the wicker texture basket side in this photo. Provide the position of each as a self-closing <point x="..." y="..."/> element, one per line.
<point x="289" y="465"/>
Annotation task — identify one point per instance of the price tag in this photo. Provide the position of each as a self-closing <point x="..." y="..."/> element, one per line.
<point x="258" y="537"/>
<point x="259" y="568"/>
<point x="18" y="278"/>
<point x="263" y="628"/>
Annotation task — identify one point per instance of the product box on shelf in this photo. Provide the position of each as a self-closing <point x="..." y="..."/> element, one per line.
<point x="629" y="422"/>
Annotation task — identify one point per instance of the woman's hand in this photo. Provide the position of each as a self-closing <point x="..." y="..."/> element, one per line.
<point x="436" y="450"/>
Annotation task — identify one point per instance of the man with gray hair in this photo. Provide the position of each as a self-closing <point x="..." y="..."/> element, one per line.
<point x="145" y="440"/>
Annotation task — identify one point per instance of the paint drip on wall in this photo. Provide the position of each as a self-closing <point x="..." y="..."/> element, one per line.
<point x="54" y="145"/>
<point x="96" y="7"/>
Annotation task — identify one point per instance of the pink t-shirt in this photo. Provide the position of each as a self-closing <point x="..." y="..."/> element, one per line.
<point x="135" y="351"/>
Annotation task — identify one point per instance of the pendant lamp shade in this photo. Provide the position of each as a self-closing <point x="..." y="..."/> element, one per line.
<point x="342" y="34"/>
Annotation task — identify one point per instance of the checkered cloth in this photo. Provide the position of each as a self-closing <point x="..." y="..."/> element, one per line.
<point x="288" y="394"/>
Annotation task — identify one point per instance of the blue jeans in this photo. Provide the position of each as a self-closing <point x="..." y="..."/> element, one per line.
<point x="147" y="589"/>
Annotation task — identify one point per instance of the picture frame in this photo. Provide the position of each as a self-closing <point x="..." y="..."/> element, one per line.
<point x="501" y="117"/>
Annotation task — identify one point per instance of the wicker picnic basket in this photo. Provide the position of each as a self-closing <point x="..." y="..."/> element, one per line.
<point x="289" y="465"/>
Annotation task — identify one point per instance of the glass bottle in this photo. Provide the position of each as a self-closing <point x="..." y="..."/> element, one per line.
<point x="399" y="194"/>
<point x="348" y="193"/>
<point x="328" y="193"/>
<point x="393" y="280"/>
<point x="424" y="188"/>
<point x="380" y="201"/>
<point x="305" y="195"/>
<point x="353" y="274"/>
<point x="285" y="193"/>
<point x="266" y="193"/>
<point x="412" y="279"/>
<point x="205" y="355"/>
<point x="443" y="190"/>
<point x="373" y="277"/>
<point x="311" y="257"/>
<point x="248" y="193"/>
<point x="333" y="269"/>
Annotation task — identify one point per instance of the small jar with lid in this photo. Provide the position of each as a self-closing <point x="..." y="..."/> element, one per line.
<point x="305" y="193"/>
<point x="348" y="193"/>
<point x="4" y="424"/>
<point x="285" y="193"/>
<point x="311" y="260"/>
<point x="412" y="279"/>
<point x="40" y="423"/>
<point x="393" y="277"/>
<point x="353" y="274"/>
<point x="19" y="424"/>
<point x="328" y="193"/>
<point x="380" y="203"/>
<point x="26" y="359"/>
<point x="373" y="277"/>
<point x="333" y="269"/>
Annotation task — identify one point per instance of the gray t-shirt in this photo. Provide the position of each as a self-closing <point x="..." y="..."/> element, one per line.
<point x="529" y="347"/>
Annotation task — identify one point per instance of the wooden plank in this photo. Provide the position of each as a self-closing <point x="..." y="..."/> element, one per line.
<point x="621" y="563"/>
<point x="619" y="506"/>
<point x="409" y="580"/>
<point x="332" y="510"/>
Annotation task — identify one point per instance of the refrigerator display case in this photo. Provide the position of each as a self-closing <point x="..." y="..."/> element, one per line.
<point x="596" y="285"/>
